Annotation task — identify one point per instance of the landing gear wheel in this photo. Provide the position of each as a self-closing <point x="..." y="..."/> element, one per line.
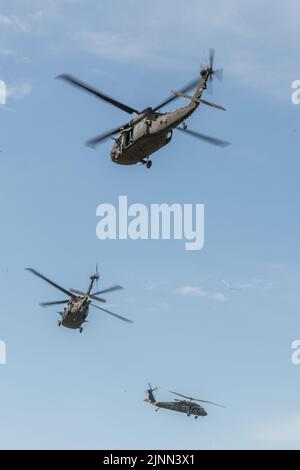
<point x="149" y="164"/>
<point x="80" y="329"/>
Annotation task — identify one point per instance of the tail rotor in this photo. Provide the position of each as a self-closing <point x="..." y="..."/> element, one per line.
<point x="150" y="393"/>
<point x="209" y="71"/>
<point x="97" y="275"/>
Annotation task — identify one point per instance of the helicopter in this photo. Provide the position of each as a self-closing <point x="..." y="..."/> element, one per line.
<point x="77" y="305"/>
<point x="187" y="406"/>
<point x="150" y="130"/>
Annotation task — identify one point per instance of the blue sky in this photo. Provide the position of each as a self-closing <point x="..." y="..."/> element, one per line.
<point x="60" y="389"/>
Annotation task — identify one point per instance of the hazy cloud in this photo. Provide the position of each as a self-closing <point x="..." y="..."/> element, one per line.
<point x="200" y="292"/>
<point x="15" y="23"/>
<point x="251" y="284"/>
<point x="18" y="91"/>
<point x="116" y="46"/>
<point x="286" y="429"/>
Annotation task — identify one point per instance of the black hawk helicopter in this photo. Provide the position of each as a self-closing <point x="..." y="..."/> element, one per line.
<point x="150" y="129"/>
<point x="187" y="406"/>
<point x="77" y="305"/>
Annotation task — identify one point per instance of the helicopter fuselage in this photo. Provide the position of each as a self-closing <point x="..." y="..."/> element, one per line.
<point x="181" y="406"/>
<point x="150" y="134"/>
<point x="75" y="313"/>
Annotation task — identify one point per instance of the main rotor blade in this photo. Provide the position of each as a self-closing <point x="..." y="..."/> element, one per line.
<point x="180" y="395"/>
<point x="78" y="292"/>
<point x="78" y="83"/>
<point x="211" y="403"/>
<point x="113" y="314"/>
<point x="206" y="138"/>
<point x="101" y="137"/>
<point x="83" y="294"/>
<point x="54" y="284"/>
<point x="99" y="299"/>
<point x="196" y="399"/>
<point x="58" y="302"/>
<point x="109" y="289"/>
<point x="173" y="97"/>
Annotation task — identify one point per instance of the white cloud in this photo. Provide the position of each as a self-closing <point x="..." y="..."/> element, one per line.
<point x="18" y="91"/>
<point x="200" y="292"/>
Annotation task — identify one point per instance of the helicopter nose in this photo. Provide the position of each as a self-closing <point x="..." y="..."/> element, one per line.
<point x="114" y="153"/>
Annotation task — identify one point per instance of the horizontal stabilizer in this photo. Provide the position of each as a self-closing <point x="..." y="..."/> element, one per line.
<point x="198" y="100"/>
<point x="213" y="105"/>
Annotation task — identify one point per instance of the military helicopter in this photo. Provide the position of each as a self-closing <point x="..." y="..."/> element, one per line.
<point x="150" y="130"/>
<point x="77" y="305"/>
<point x="187" y="406"/>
